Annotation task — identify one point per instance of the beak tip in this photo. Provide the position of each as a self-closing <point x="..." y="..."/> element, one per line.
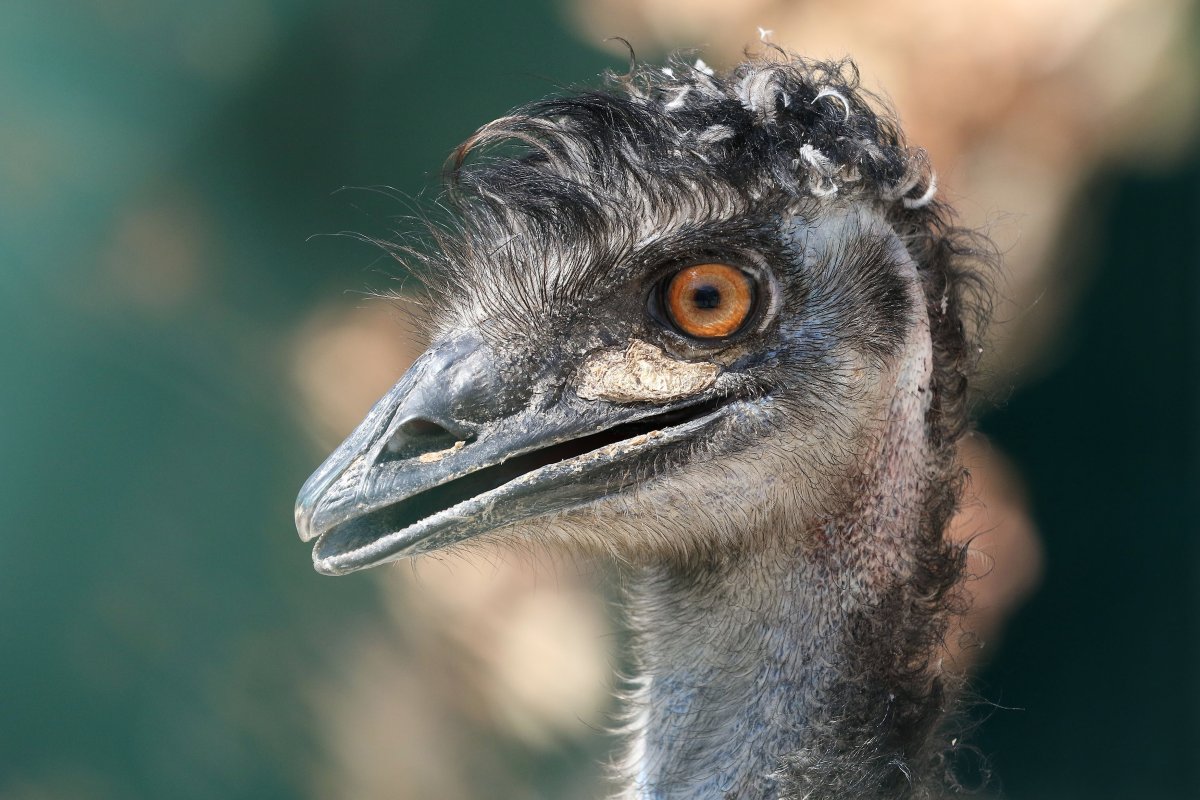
<point x="326" y="566"/>
<point x="304" y="523"/>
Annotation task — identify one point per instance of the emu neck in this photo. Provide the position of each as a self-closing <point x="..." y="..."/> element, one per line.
<point x="807" y="668"/>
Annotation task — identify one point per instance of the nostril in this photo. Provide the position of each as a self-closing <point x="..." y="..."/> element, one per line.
<point x="419" y="428"/>
<point x="417" y="436"/>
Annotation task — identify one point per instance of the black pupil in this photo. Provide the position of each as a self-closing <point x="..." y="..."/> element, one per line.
<point x="706" y="297"/>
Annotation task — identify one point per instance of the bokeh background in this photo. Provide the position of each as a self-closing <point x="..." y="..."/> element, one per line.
<point x="186" y="332"/>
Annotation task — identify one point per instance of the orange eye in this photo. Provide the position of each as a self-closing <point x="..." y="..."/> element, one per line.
<point x="709" y="301"/>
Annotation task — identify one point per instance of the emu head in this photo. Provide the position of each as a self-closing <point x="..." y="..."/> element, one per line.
<point x="687" y="310"/>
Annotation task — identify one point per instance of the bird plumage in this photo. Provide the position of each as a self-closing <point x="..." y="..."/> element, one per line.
<point x="780" y="495"/>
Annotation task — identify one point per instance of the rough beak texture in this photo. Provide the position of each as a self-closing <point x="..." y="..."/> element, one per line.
<point x="452" y="451"/>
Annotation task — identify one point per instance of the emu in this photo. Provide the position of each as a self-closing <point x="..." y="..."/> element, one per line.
<point x="718" y="328"/>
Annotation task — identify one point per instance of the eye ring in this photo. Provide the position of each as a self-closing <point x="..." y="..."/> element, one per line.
<point x="708" y="301"/>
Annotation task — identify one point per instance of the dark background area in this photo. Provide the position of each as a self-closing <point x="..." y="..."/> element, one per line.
<point x="1097" y="675"/>
<point x="162" y="169"/>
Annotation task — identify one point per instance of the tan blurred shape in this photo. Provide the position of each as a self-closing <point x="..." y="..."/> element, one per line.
<point x="1004" y="555"/>
<point x="477" y="660"/>
<point x="343" y="359"/>
<point x="534" y="630"/>
<point x="1017" y="102"/>
<point x="154" y="259"/>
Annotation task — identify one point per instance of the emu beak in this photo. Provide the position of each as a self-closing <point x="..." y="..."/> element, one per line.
<point x="454" y="450"/>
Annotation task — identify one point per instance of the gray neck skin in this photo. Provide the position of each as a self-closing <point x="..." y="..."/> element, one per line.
<point x="732" y="677"/>
<point x="803" y="669"/>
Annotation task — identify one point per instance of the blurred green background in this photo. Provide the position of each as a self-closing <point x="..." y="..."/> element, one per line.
<point x="163" y="169"/>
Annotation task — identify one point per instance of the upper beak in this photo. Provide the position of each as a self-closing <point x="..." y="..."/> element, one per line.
<point x="452" y="451"/>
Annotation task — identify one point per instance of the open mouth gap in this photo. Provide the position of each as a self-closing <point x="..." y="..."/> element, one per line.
<point x="361" y="531"/>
